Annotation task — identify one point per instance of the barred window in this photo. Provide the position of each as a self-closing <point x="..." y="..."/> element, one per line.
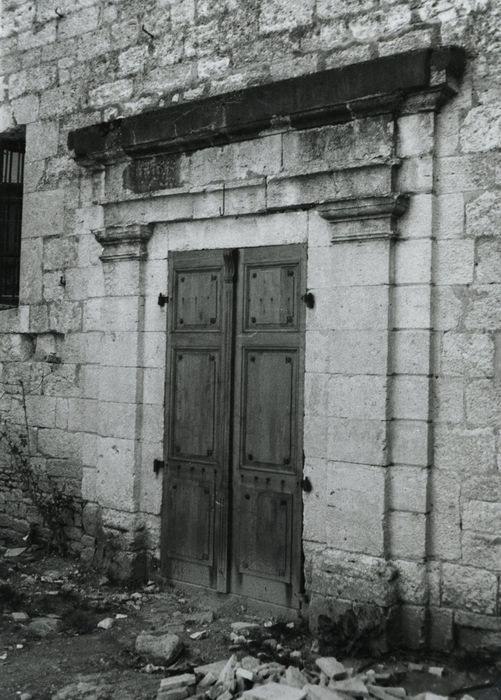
<point x="11" y="205"/>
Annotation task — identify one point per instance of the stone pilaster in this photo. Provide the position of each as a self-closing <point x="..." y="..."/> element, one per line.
<point x="120" y="381"/>
<point x="359" y="264"/>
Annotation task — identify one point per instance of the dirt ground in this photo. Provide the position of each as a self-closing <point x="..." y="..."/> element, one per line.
<point x="58" y="642"/>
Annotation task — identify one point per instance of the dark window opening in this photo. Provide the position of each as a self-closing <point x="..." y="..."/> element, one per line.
<point x="11" y="206"/>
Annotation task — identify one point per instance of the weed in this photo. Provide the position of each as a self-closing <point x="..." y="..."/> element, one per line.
<point x="49" y="496"/>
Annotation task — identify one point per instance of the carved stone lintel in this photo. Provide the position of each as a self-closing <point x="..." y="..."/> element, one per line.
<point x="124" y="242"/>
<point x="369" y="218"/>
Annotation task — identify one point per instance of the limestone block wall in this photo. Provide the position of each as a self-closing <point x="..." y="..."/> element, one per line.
<point x="419" y="470"/>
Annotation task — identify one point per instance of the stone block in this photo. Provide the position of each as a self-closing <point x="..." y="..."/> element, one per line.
<point x="121" y="347"/>
<point x="441" y="632"/>
<point x="59" y="252"/>
<point x="132" y="60"/>
<point x="465" y="173"/>
<point x="449" y="216"/>
<point x="483" y="312"/>
<point x="467" y="354"/>
<point x="483" y="214"/>
<point x="445" y="518"/>
<point x="349" y="264"/>
<point x="123" y="278"/>
<point x="408" y="488"/>
<point x="41" y="411"/>
<point x="42" y="140"/>
<point x="59" y="443"/>
<point x="78" y="23"/>
<point x="416" y="222"/>
<point x="483" y="402"/>
<point x="16" y="347"/>
<point x="481" y="129"/>
<point x="88" y="487"/>
<point x="43" y="213"/>
<point x="274" y="691"/>
<point x="411" y="626"/>
<point x="316" y="393"/>
<point x="481" y="549"/>
<point x="481" y="516"/>
<point x="83" y="415"/>
<point x="416" y="174"/>
<point x="411" y="307"/>
<point x="410" y="396"/>
<point x="274" y="16"/>
<point x="413" y="262"/>
<point x="360" y="396"/>
<point x="407" y="532"/>
<point x="25" y="109"/>
<point x="315" y="436"/>
<point x="61" y="100"/>
<point x="353" y="577"/>
<point x="448" y="307"/>
<point x="356" y="507"/>
<point x="317" y="353"/>
<point x="464" y="450"/>
<point x="338" y="146"/>
<point x="411" y="582"/>
<point x="320" y="187"/>
<point x="449" y="400"/>
<point x="410" y="352"/>
<point x="152" y="429"/>
<point x="358" y="352"/>
<point x="447" y="131"/>
<point x="467" y="588"/>
<point x="153" y="346"/>
<point x="65" y="317"/>
<point x="358" y="441"/>
<point x="410" y="442"/>
<point x="415" y="134"/>
<point x="488" y="264"/>
<point x="454" y="263"/>
<point x="109" y="93"/>
<point x="115" y="473"/>
<point x="350" y="308"/>
<point x="119" y="384"/>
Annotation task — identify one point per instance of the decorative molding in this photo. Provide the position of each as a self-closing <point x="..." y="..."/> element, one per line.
<point x="124" y="242"/>
<point x="368" y="218"/>
<point x="379" y="86"/>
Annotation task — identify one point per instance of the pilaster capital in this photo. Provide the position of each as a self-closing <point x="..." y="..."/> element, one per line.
<point x="124" y="242"/>
<point x="366" y="218"/>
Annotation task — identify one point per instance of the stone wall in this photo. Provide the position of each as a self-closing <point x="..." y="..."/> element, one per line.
<point x="418" y="473"/>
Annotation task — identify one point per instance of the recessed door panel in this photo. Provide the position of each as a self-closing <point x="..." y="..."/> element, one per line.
<point x="265" y="534"/>
<point x="195" y="402"/>
<point x="271" y="296"/>
<point x="197" y="300"/>
<point x="191" y="505"/>
<point x="268" y="396"/>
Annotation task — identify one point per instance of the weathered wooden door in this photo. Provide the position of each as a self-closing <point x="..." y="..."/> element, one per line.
<point x="232" y="489"/>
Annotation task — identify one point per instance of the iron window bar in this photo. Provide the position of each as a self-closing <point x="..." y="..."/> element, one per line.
<point x="11" y="204"/>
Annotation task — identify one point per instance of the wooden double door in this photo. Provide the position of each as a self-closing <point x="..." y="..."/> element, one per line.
<point x="232" y="503"/>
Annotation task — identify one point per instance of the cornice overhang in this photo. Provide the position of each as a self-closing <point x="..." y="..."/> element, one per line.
<point x="123" y="242"/>
<point x="389" y="84"/>
<point x="375" y="217"/>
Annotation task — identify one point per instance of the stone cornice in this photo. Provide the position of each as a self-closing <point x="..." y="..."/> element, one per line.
<point x="337" y="95"/>
<point x="367" y="218"/>
<point x="123" y="242"/>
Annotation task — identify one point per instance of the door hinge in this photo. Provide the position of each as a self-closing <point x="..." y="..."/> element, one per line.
<point x="163" y="299"/>
<point x="306" y="484"/>
<point x="309" y="300"/>
<point x="157" y="465"/>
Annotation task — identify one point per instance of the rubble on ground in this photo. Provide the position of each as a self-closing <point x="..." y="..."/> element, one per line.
<point x="249" y="678"/>
<point x="263" y="667"/>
